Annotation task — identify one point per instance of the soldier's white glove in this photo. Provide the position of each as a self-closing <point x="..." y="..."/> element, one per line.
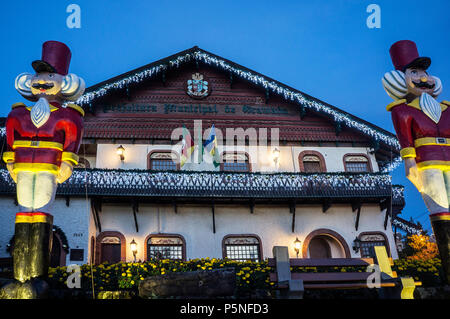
<point x="412" y="173"/>
<point x="65" y="171"/>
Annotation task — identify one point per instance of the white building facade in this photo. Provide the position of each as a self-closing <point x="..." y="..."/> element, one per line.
<point x="292" y="169"/>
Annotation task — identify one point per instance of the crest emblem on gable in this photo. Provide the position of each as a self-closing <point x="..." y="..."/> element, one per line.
<point x="197" y="87"/>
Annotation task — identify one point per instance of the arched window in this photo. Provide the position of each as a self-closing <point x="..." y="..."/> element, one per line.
<point x="242" y="247"/>
<point x="162" y="161"/>
<point x="311" y="162"/>
<point x="110" y="247"/>
<point x="165" y="246"/>
<point x="235" y="162"/>
<point x="357" y="163"/>
<point x="371" y="239"/>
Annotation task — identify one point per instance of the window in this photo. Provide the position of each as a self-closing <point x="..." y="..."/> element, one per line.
<point x="311" y="162"/>
<point x="235" y="162"/>
<point x="242" y="248"/>
<point x="166" y="247"/>
<point x="162" y="161"/>
<point x="368" y="241"/>
<point x="356" y="163"/>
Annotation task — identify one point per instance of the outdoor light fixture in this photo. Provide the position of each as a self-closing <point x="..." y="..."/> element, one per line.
<point x="133" y="246"/>
<point x="276" y="155"/>
<point x="297" y="245"/>
<point x="356" y="244"/>
<point x="120" y="151"/>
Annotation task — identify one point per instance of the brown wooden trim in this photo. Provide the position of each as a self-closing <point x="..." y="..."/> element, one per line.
<point x="260" y="249"/>
<point x="325" y="232"/>
<point x="163" y="151"/>
<point x="62" y="252"/>
<point x="369" y="162"/>
<point x="92" y="254"/>
<point x="388" y="248"/>
<point x="234" y="152"/>
<point x="123" y="245"/>
<point x="183" y="250"/>
<point x="323" y="166"/>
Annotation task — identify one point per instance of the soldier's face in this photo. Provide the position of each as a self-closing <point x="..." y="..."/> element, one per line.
<point x="46" y="84"/>
<point x="418" y="81"/>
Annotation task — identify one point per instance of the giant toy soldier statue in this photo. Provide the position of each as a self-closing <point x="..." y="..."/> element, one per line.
<point x="42" y="143"/>
<point x="423" y="129"/>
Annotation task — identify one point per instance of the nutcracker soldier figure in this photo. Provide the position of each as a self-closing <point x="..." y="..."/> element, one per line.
<point x="423" y="129"/>
<point x="42" y="145"/>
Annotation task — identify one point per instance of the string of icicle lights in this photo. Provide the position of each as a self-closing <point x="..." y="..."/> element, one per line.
<point x="262" y="81"/>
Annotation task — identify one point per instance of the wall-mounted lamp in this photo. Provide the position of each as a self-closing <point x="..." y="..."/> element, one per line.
<point x="121" y="151"/>
<point x="133" y="247"/>
<point x="356" y="244"/>
<point x="276" y="156"/>
<point x="297" y="245"/>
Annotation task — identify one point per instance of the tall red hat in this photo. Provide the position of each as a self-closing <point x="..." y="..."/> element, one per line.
<point x="55" y="58"/>
<point x="404" y="55"/>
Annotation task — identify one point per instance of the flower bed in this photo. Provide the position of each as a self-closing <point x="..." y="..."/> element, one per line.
<point x="250" y="276"/>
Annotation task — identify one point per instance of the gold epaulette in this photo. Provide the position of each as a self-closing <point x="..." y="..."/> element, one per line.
<point x="395" y="103"/>
<point x="17" y="105"/>
<point x="444" y="105"/>
<point x="76" y="107"/>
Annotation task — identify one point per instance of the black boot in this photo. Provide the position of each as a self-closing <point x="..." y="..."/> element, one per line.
<point x="441" y="229"/>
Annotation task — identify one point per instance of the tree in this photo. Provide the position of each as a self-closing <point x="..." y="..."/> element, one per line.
<point x="421" y="248"/>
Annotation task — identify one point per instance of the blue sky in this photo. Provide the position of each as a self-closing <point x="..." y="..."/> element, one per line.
<point x="323" y="48"/>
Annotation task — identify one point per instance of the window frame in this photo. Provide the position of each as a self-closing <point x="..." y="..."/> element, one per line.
<point x="386" y="242"/>
<point x="369" y="162"/>
<point x="301" y="155"/>
<point x="149" y="159"/>
<point x="222" y="162"/>
<point x="224" y="246"/>
<point x="149" y="237"/>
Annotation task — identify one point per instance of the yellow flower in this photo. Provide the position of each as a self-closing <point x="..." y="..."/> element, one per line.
<point x="132" y="282"/>
<point x="124" y="274"/>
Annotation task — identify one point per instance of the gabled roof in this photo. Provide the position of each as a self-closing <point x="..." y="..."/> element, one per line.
<point x="340" y="117"/>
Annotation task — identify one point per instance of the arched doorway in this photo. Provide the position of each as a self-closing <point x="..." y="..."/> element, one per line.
<point x="110" y="247"/>
<point x="319" y="248"/>
<point x="325" y="243"/>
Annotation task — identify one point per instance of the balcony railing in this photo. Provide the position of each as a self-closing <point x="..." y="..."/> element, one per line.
<point x="103" y="182"/>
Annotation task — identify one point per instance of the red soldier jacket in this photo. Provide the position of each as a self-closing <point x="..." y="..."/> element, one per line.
<point x="419" y="136"/>
<point x="42" y="149"/>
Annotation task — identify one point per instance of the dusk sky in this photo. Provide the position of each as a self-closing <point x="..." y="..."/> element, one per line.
<point x="322" y="48"/>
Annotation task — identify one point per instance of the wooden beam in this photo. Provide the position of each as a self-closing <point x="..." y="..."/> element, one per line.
<point x="267" y="95"/>
<point x="213" y="218"/>
<point x="356" y="205"/>
<point x="67" y="201"/>
<point x="231" y="80"/>
<point x="163" y="77"/>
<point x="302" y="112"/>
<point x="357" y="218"/>
<point x="252" y="206"/>
<point x="96" y="204"/>
<point x="325" y="206"/>
<point x="135" y="206"/>
<point x="388" y="211"/>
<point x="292" y="211"/>
<point x="175" y="207"/>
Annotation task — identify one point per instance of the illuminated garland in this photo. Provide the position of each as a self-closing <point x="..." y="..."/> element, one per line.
<point x="405" y="227"/>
